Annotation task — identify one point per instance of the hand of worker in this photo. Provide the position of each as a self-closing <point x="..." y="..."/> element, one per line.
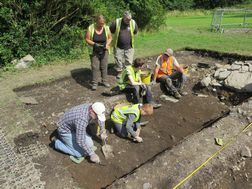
<point x="107" y="46"/>
<point x="97" y="45"/>
<point x="95" y="158"/>
<point x="153" y="83"/>
<point x="104" y="135"/>
<point x="138" y="139"/>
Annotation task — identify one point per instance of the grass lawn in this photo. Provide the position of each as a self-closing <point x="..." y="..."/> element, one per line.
<point x="193" y="31"/>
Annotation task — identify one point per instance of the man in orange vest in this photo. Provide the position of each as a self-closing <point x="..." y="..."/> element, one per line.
<point x="168" y="70"/>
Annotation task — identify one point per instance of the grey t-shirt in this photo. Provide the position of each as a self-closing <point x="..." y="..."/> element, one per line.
<point x="124" y="38"/>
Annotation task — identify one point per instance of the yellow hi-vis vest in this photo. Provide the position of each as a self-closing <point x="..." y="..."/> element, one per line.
<point x="119" y="115"/>
<point x="124" y="80"/>
<point x="118" y="27"/>
<point x="91" y="29"/>
<point x="166" y="67"/>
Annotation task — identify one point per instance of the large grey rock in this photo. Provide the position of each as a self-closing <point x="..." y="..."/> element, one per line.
<point x="221" y="74"/>
<point x="218" y="66"/>
<point x="239" y="81"/>
<point x="215" y="83"/>
<point x="250" y="67"/>
<point x="245" y="68"/>
<point x="238" y="62"/>
<point x="205" y="82"/>
<point x="28" y="58"/>
<point x="235" y="67"/>
<point x="25" y="62"/>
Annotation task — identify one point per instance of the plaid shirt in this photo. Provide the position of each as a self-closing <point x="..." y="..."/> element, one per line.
<point x="76" y="121"/>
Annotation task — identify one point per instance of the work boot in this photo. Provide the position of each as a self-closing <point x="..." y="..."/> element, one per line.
<point x="156" y="106"/>
<point x="77" y="160"/>
<point x="182" y="93"/>
<point x="119" y="74"/>
<point x="106" y="84"/>
<point x="177" y="95"/>
<point x="144" y="123"/>
<point x="94" y="87"/>
<point x="138" y="139"/>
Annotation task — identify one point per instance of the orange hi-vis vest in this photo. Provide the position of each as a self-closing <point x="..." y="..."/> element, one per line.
<point x="166" y="67"/>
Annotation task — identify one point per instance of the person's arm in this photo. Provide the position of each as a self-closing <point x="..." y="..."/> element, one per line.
<point x="88" y="39"/>
<point x="177" y="66"/>
<point x="102" y="126"/>
<point x="81" y="125"/>
<point x="157" y="67"/>
<point x="134" y="82"/>
<point x="130" y="124"/>
<point x="156" y="72"/>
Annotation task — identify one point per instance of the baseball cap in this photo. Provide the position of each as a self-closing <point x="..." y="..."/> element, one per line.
<point x="169" y="52"/>
<point x="99" y="109"/>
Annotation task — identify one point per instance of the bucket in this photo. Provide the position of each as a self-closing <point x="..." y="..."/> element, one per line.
<point x="146" y="77"/>
<point x="186" y="70"/>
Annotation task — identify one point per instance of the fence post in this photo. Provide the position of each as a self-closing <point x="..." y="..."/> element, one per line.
<point x="244" y="17"/>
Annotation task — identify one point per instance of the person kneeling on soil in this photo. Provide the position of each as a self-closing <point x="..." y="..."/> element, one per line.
<point x="130" y="83"/>
<point x="73" y="138"/>
<point x="168" y="70"/>
<point x="126" y="119"/>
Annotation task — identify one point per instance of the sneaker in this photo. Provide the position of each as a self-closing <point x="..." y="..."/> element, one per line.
<point x="53" y="139"/>
<point x="183" y="93"/>
<point x="94" y="87"/>
<point x="144" y="123"/>
<point x="107" y="85"/>
<point x="119" y="75"/>
<point x="177" y="95"/>
<point x="77" y="160"/>
<point x="156" y="106"/>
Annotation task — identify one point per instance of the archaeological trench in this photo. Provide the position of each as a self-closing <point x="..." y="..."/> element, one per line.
<point x="180" y="136"/>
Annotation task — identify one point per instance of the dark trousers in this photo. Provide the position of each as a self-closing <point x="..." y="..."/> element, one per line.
<point x="99" y="63"/>
<point x="138" y="91"/>
<point x="172" y="82"/>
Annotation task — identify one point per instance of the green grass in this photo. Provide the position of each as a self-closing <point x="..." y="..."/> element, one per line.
<point x="193" y="31"/>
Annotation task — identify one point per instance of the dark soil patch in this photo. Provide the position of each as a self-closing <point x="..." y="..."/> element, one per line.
<point x="167" y="127"/>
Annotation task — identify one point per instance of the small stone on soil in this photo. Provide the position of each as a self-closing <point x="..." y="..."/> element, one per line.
<point x="246" y="152"/>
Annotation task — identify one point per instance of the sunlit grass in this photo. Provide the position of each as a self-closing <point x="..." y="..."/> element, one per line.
<point x="188" y="30"/>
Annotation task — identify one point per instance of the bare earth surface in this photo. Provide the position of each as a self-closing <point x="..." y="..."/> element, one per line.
<point x="175" y="140"/>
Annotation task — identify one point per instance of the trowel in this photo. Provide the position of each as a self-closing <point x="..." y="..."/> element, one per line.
<point x="107" y="150"/>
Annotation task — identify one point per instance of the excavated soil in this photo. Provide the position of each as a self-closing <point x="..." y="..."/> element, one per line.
<point x="167" y="127"/>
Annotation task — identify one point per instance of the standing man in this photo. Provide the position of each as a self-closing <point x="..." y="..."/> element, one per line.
<point x="168" y="69"/>
<point x="124" y="29"/>
<point x="73" y="138"/>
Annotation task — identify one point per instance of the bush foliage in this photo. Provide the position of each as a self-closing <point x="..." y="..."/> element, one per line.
<point x="54" y="29"/>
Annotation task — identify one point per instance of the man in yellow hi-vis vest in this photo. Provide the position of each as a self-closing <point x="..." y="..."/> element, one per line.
<point x="126" y="119"/>
<point x="167" y="70"/>
<point x="124" y="29"/>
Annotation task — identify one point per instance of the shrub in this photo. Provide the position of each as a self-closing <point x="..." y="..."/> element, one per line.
<point x="177" y="4"/>
<point x="149" y="14"/>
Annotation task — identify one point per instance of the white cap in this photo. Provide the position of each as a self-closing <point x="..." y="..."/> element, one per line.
<point x="169" y="52"/>
<point x="99" y="109"/>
